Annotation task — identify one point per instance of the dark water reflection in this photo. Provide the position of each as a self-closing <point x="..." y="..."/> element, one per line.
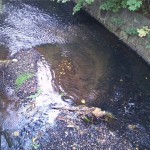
<point x="80" y="59"/>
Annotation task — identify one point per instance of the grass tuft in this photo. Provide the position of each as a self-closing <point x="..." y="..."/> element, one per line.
<point x="22" y="79"/>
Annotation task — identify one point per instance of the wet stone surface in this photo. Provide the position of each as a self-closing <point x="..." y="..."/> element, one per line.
<point x="72" y="61"/>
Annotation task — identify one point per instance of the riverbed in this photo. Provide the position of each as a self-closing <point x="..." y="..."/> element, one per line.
<point x="73" y="61"/>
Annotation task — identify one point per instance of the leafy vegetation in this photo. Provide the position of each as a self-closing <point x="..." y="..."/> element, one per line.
<point x="79" y="5"/>
<point x="116" y="5"/>
<point x="133" y="4"/>
<point x="131" y="31"/>
<point x="22" y="79"/>
<point x="35" y="143"/>
<point x="111" y="5"/>
<point x="143" y="31"/>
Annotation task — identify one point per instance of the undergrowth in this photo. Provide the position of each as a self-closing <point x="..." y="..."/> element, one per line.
<point x="116" y="5"/>
<point x="111" y="5"/>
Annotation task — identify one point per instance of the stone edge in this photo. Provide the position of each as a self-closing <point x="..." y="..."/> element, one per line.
<point x="129" y="19"/>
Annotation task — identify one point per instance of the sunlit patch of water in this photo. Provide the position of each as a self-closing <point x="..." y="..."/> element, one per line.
<point x="48" y="96"/>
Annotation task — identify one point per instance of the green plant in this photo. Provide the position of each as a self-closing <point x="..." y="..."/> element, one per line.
<point x="131" y="31"/>
<point x="117" y="21"/>
<point x="35" y="145"/>
<point x="143" y="31"/>
<point x="112" y="5"/>
<point x="134" y="4"/>
<point x="116" y="5"/>
<point x="22" y="79"/>
<point x="79" y="5"/>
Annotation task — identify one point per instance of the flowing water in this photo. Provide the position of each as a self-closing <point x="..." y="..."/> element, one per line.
<point x="76" y="59"/>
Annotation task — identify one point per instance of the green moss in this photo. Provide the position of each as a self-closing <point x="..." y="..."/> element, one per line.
<point x="117" y="21"/>
<point x="22" y="79"/>
<point x="131" y="31"/>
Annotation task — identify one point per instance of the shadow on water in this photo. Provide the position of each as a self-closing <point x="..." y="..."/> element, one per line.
<point x="77" y="60"/>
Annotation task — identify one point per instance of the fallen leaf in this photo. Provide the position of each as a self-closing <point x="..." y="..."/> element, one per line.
<point x="70" y="126"/>
<point x="14" y="60"/>
<point x="16" y="133"/>
<point x="132" y="127"/>
<point x="34" y="139"/>
<point x="83" y="101"/>
<point x="98" y="112"/>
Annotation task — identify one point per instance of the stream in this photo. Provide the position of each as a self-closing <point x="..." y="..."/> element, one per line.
<point x="74" y="61"/>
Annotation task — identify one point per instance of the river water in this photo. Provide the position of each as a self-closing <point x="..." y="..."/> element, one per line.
<point x="77" y="60"/>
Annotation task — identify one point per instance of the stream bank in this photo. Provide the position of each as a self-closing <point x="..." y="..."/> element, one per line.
<point x="121" y="24"/>
<point x="71" y="61"/>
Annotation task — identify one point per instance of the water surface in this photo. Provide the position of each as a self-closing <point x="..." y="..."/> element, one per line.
<point x="77" y="60"/>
